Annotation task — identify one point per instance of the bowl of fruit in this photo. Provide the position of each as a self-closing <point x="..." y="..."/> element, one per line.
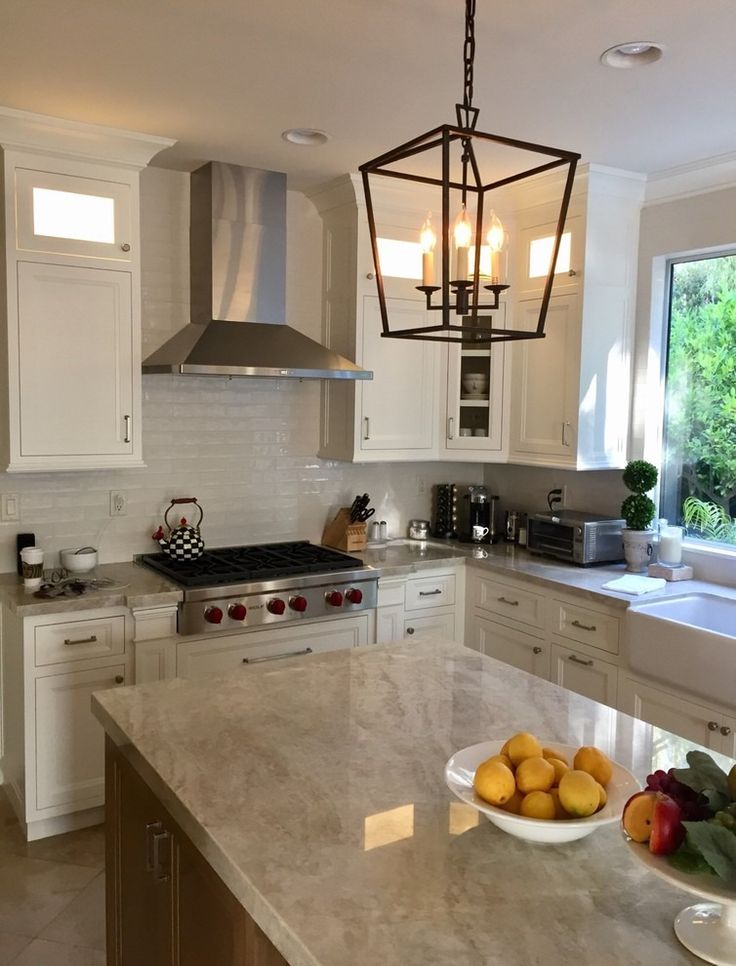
<point x="541" y="792"/>
<point x="683" y="828"/>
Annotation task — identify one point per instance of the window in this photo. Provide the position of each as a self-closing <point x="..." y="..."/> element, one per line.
<point x="699" y="466"/>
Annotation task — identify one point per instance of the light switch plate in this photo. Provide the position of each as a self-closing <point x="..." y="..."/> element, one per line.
<point x="10" y="508"/>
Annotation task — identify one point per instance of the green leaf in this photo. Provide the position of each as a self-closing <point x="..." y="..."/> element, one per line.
<point x="703" y="774"/>
<point x="716" y="844"/>
<point x="686" y="859"/>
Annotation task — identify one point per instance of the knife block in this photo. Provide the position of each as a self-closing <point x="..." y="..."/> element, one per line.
<point x="344" y="535"/>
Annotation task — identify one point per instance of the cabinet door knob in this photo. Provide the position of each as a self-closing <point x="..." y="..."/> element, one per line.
<point x="370" y="276"/>
<point x="572" y="273"/>
<point x="536" y="650"/>
<point x="119" y="679"/>
<point x="125" y="247"/>
<point x="410" y="630"/>
<point x="725" y="730"/>
<point x="712" y="726"/>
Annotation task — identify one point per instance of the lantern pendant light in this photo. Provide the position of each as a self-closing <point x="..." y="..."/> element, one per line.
<point x="462" y="279"/>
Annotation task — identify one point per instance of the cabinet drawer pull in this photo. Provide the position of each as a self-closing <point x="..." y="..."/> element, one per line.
<point x="505" y="600"/>
<point x="367" y="421"/>
<point x="126" y="419"/>
<point x="565" y="424"/>
<point x="151" y="828"/>
<point x="68" y="642"/>
<point x="712" y="726"/>
<point x="410" y="630"/>
<point x="429" y="593"/>
<point x="451" y="428"/>
<point x="725" y="730"/>
<point x="584" y="627"/>
<point x="160" y="870"/>
<point x="276" y="657"/>
<point x="579" y="660"/>
<point x="536" y="650"/>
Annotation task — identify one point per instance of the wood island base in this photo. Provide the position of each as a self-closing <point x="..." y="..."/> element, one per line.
<point x="165" y="904"/>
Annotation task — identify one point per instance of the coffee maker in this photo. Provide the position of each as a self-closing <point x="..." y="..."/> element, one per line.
<point x="476" y="514"/>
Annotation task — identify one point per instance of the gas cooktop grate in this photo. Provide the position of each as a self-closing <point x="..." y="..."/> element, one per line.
<point x="266" y="561"/>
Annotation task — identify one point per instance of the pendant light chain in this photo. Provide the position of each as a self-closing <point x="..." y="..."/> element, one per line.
<point x="469" y="53"/>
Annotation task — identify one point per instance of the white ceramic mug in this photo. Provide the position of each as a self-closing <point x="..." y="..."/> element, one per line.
<point x="480" y="532"/>
<point x="32" y="560"/>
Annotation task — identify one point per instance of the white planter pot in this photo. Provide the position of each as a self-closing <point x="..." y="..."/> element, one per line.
<point x="638" y="549"/>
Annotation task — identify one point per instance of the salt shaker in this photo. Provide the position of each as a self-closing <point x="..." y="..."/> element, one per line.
<point x="383" y="530"/>
<point x="375" y="532"/>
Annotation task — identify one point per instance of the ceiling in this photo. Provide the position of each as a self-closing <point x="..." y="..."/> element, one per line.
<point x="226" y="77"/>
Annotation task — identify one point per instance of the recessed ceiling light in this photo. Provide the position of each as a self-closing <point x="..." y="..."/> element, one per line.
<point x="305" y="136"/>
<point x="635" y="53"/>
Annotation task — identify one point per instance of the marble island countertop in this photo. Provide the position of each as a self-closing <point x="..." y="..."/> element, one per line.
<point x="315" y="790"/>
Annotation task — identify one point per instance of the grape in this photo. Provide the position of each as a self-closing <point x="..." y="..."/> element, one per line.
<point x="694" y="806"/>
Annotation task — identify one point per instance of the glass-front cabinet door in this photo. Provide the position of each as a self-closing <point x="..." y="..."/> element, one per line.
<point x="475" y="393"/>
<point x="64" y="214"/>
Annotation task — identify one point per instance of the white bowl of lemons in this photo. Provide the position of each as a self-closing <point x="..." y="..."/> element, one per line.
<point x="541" y="792"/>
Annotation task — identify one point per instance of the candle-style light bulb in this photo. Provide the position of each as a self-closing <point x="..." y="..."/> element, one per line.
<point x="463" y="232"/>
<point x="496" y="240"/>
<point x="427" y="241"/>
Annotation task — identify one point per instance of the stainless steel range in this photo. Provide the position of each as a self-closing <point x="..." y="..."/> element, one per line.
<point x="232" y="588"/>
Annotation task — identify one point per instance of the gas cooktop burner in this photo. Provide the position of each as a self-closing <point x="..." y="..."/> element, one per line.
<point x="259" y="562"/>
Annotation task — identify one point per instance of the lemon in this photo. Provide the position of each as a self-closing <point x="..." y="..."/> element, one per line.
<point x="560" y="812"/>
<point x="523" y="746"/>
<point x="513" y="805"/>
<point x="579" y="793"/>
<point x="560" y="768"/>
<point x="593" y="761"/>
<point x="504" y="759"/>
<point x="535" y="775"/>
<point x="494" y="782"/>
<point x="603" y="794"/>
<point x="538" y="805"/>
<point x="553" y="753"/>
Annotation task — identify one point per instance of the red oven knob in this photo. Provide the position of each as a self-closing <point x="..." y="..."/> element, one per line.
<point x="354" y="595"/>
<point x="213" y="615"/>
<point x="334" y="598"/>
<point x="276" y="606"/>
<point x="298" y="603"/>
<point x="237" y="612"/>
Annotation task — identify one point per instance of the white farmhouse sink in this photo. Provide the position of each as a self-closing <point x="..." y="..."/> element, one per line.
<point x="687" y="641"/>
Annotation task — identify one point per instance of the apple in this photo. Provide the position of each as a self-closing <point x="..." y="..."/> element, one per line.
<point x="668" y="832"/>
<point x="655" y="818"/>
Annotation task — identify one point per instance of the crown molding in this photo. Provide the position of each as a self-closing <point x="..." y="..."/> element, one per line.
<point x="22" y="130"/>
<point x="694" y="178"/>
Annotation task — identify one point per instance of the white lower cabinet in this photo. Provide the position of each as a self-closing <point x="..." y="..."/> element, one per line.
<point x="439" y="626"/>
<point x="512" y="646"/>
<point x="673" y="712"/>
<point x="429" y="604"/>
<point x="580" y="672"/>
<point x="236" y="651"/>
<point x="53" y="752"/>
<point x="70" y="759"/>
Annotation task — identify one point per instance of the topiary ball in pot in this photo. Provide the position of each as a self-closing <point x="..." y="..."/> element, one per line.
<point x="638" y="511"/>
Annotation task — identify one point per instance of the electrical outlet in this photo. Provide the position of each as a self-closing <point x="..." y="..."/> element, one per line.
<point x="118" y="503"/>
<point x="10" y="508"/>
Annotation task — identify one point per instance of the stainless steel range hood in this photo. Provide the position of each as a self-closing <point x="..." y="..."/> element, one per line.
<point x="237" y="245"/>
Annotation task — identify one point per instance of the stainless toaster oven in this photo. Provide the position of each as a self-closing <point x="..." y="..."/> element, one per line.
<point x="580" y="538"/>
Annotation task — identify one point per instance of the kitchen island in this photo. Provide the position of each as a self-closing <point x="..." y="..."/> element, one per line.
<point x="314" y="792"/>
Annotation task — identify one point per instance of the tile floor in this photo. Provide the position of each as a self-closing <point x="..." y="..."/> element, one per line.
<point x="52" y="896"/>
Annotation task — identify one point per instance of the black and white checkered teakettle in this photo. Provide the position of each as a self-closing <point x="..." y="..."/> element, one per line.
<point x="185" y="542"/>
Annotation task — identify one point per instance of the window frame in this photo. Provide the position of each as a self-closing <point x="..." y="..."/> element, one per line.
<point x="662" y="274"/>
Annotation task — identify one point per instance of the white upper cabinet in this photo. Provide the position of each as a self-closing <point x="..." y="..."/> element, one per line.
<point x="71" y="305"/>
<point x="64" y="214"/>
<point x="571" y="390"/>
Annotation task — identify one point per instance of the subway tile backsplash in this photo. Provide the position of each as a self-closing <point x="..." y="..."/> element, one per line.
<point x="244" y="447"/>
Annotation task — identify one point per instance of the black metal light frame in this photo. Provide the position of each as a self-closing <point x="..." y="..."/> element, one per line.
<point x="462" y="297"/>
